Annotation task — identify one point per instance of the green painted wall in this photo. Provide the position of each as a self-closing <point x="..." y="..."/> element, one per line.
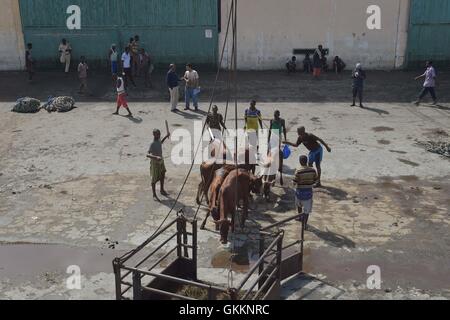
<point x="429" y="33"/>
<point x="171" y="30"/>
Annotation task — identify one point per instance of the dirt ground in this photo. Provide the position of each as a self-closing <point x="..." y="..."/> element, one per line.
<point x="74" y="187"/>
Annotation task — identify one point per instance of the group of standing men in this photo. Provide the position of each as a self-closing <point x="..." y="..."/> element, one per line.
<point x="306" y="177"/>
<point x="192" y="88"/>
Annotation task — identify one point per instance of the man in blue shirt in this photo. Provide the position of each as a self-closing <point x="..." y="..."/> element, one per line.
<point x="172" y="83"/>
<point x="358" y="76"/>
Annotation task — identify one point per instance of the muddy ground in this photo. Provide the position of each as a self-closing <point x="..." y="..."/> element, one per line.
<point x="74" y="187"/>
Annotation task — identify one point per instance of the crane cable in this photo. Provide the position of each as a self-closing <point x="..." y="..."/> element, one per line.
<point x="146" y="242"/>
<point x="229" y="80"/>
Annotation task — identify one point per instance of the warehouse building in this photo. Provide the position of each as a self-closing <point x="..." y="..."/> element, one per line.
<point x="382" y="34"/>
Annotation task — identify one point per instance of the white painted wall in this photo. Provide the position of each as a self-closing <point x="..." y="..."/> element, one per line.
<point x="12" y="48"/>
<point x="269" y="30"/>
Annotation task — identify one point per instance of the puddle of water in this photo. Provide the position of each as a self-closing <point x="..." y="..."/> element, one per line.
<point x="240" y="263"/>
<point x="29" y="260"/>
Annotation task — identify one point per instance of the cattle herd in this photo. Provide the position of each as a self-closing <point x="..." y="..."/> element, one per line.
<point x="225" y="187"/>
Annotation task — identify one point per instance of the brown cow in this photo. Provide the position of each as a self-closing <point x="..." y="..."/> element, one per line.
<point x="208" y="169"/>
<point x="235" y="188"/>
<point x="216" y="184"/>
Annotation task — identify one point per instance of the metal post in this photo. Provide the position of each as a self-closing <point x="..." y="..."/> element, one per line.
<point x="185" y="239"/>
<point x="179" y="231"/>
<point x="137" y="286"/>
<point x="194" y="247"/>
<point x="117" y="276"/>
<point x="302" y="240"/>
<point x="210" y="297"/>
<point x="279" y="256"/>
<point x="261" y="266"/>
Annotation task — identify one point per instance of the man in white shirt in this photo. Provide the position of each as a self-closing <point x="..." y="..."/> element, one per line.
<point x="429" y="84"/>
<point x="65" y="50"/>
<point x="192" y="86"/>
<point x="126" y="66"/>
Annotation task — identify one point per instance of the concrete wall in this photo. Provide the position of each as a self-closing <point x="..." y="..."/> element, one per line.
<point x="12" y="48"/>
<point x="269" y="31"/>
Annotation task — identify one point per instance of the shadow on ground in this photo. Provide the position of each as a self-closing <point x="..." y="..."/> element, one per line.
<point x="277" y="86"/>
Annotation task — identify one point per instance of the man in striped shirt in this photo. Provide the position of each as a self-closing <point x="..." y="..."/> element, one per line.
<point x="304" y="180"/>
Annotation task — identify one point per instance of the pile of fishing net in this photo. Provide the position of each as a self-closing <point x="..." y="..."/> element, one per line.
<point x="27" y="105"/>
<point x="59" y="104"/>
<point x="53" y="104"/>
<point x="439" y="147"/>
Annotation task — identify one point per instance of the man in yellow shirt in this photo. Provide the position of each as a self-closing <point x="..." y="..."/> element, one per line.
<point x="253" y="122"/>
<point x="253" y="118"/>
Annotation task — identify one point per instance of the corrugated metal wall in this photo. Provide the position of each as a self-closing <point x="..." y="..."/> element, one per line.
<point x="171" y="30"/>
<point x="429" y="32"/>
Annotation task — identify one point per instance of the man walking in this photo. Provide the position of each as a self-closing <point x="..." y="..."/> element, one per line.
<point x="157" y="167"/>
<point x="82" y="75"/>
<point x="65" y="51"/>
<point x="314" y="145"/>
<point x="429" y="84"/>
<point x="192" y="87"/>
<point x="122" y="96"/>
<point x="172" y="83"/>
<point x="126" y="66"/>
<point x="304" y="180"/>
<point x="29" y="61"/>
<point x="358" y="76"/>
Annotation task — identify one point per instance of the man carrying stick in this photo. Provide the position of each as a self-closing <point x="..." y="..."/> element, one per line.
<point x="157" y="167"/>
